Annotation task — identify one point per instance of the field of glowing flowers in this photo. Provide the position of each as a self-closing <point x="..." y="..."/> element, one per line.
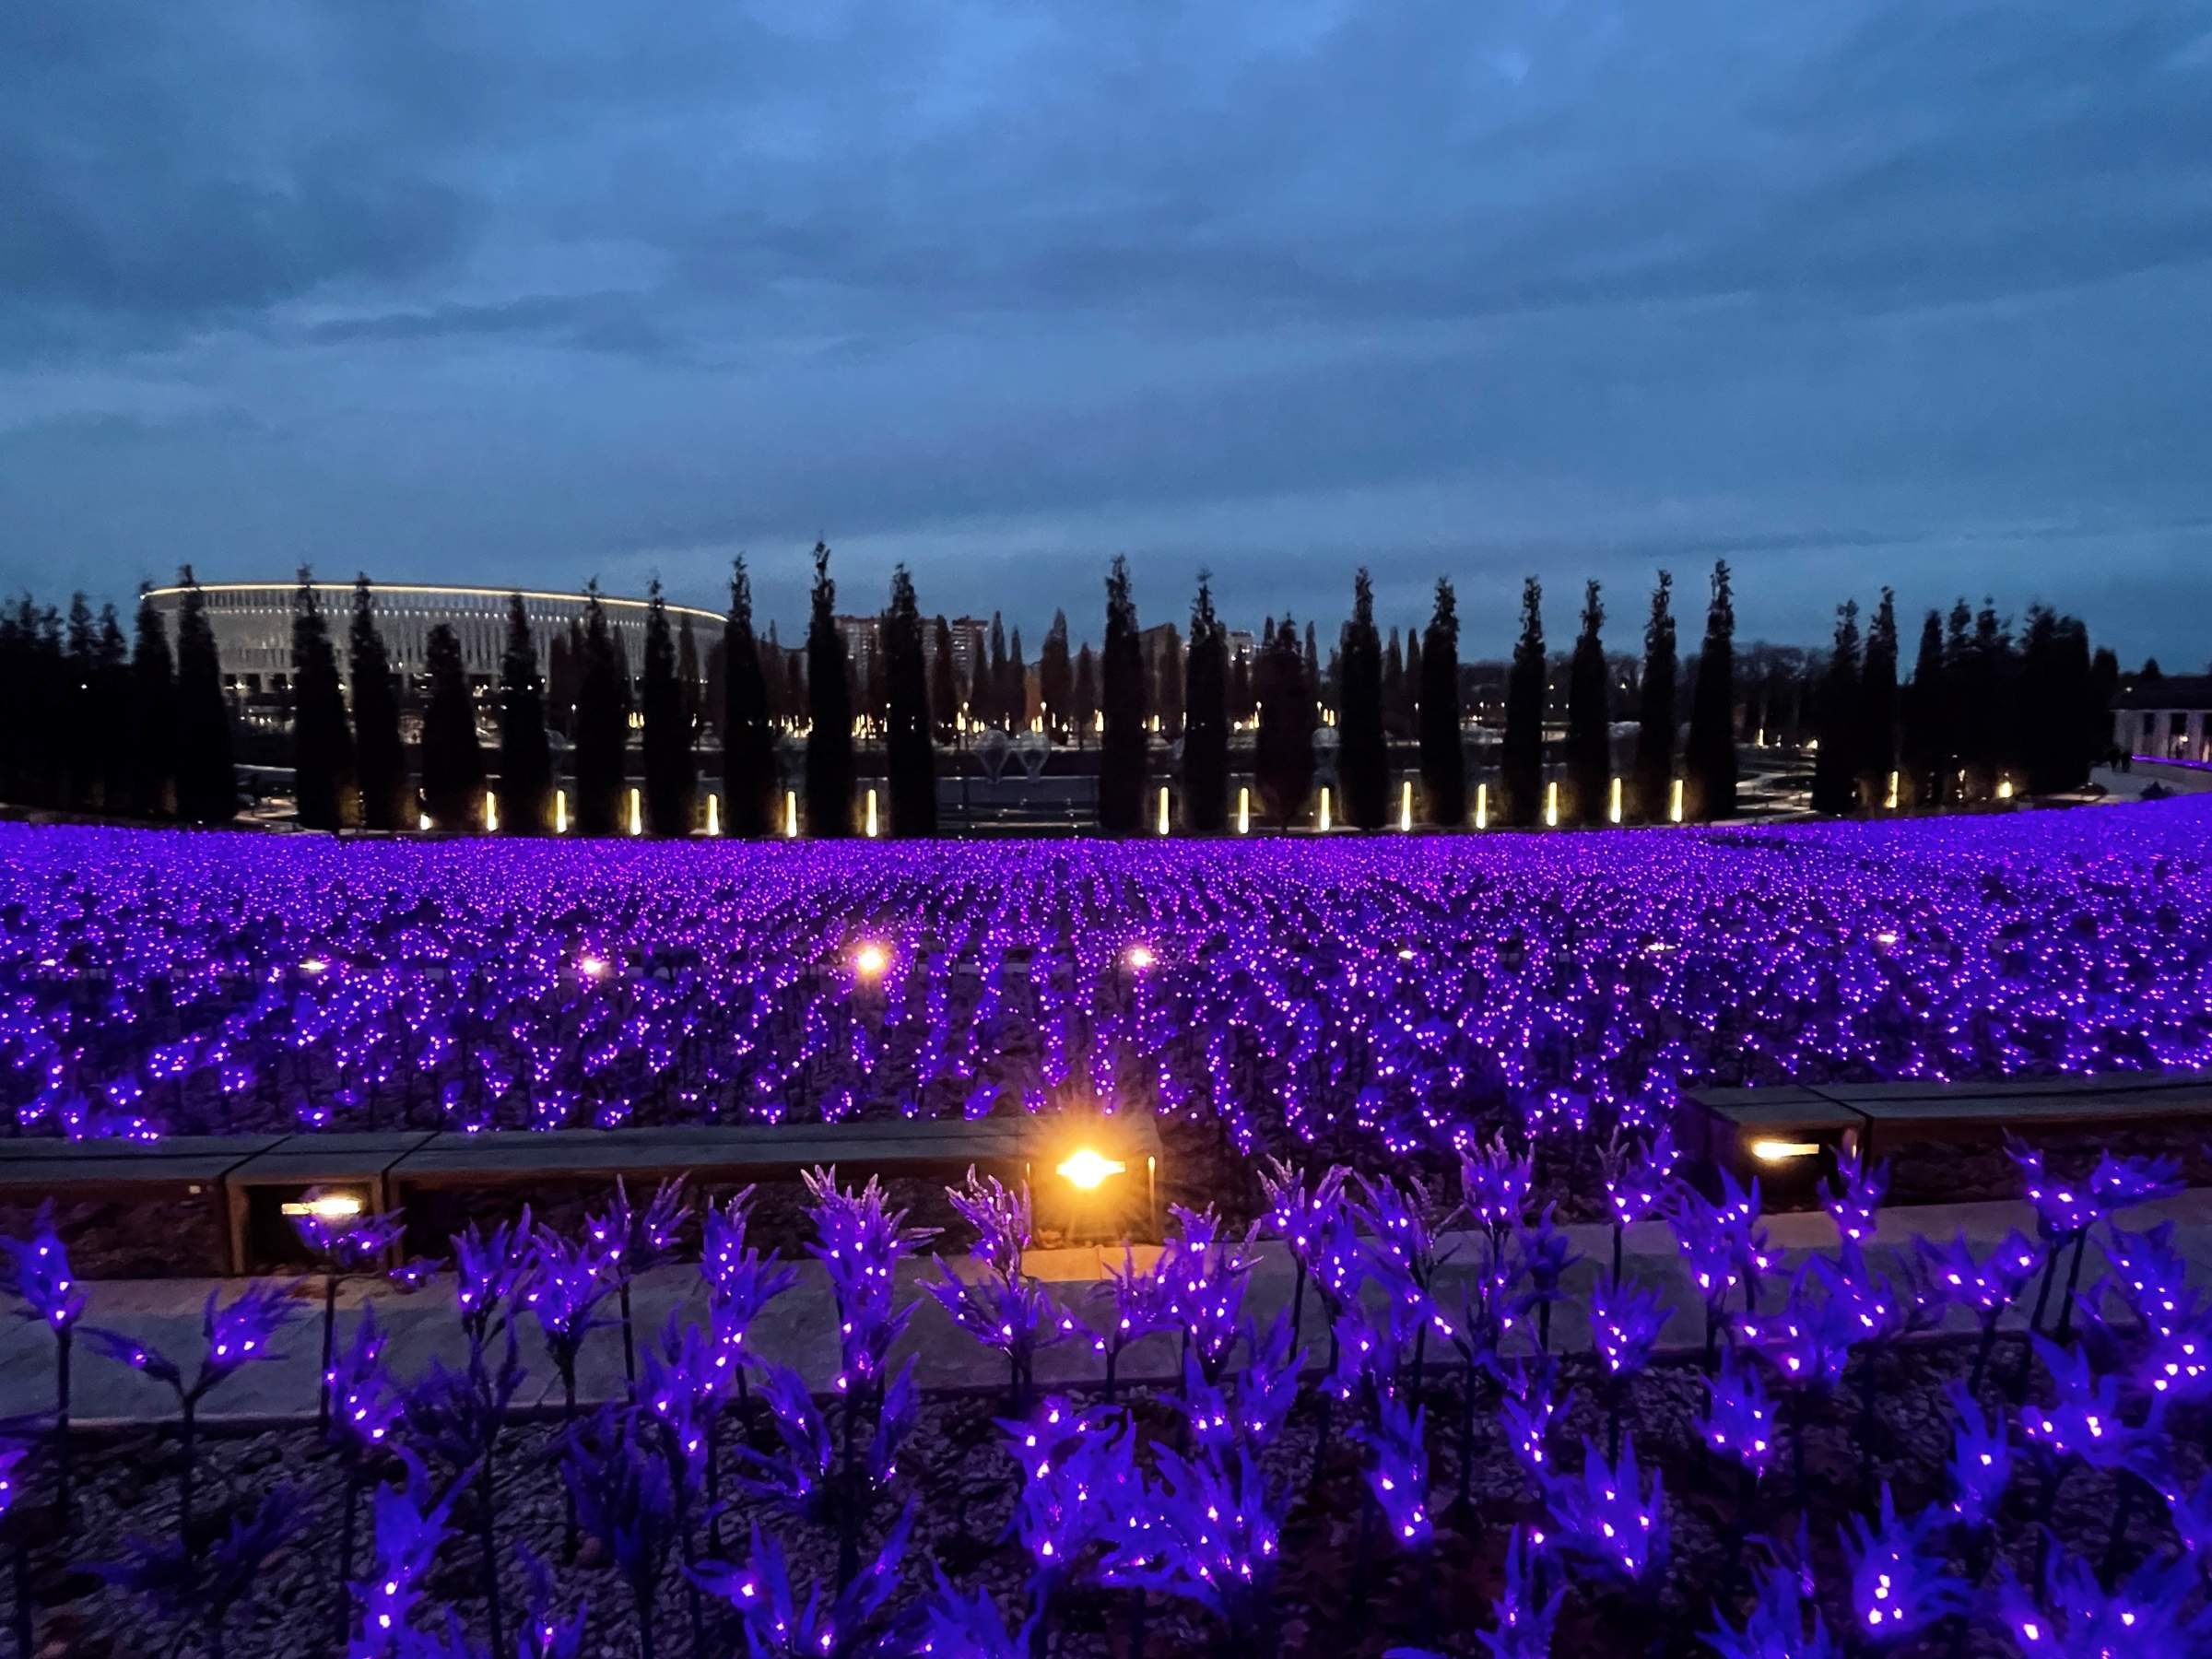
<point x="1363" y="998"/>
<point x="1400" y="1461"/>
<point x="1401" y="1458"/>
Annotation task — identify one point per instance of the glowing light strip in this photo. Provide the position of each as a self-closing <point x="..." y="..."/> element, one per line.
<point x="448" y="591"/>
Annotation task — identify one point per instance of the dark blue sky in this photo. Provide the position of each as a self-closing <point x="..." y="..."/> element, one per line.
<point x="1851" y="293"/>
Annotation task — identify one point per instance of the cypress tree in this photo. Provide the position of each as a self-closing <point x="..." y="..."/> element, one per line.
<point x="1206" y="719"/>
<point x="1710" y="759"/>
<point x="687" y="677"/>
<point x="987" y="697"/>
<point x="829" y="765"/>
<point x="1241" y="696"/>
<point x="1123" y="747"/>
<point x="944" y="686"/>
<point x="1444" y="755"/>
<point x="1311" y="664"/>
<point x="1410" y="713"/>
<point x="1875" y="741"/>
<point x="1083" y="695"/>
<point x="786" y="686"/>
<point x="153" y="713"/>
<point x="526" y="759"/>
<point x="452" y="766"/>
<point x="1655" y="707"/>
<point x="749" y="746"/>
<point x="1390" y="692"/>
<point x="1836" y="766"/>
<point x="602" y="721"/>
<point x="206" y="782"/>
<point x="16" y="691"/>
<point x="1521" y="760"/>
<point x="909" y="755"/>
<point x="1589" y="715"/>
<point x="564" y="678"/>
<point x="76" y="716"/>
<point x="2097" y="740"/>
<point x="321" y="746"/>
<point x="112" y="699"/>
<point x="1925" y="760"/>
<point x="1013" y="696"/>
<point x="380" y="758"/>
<point x="1363" y="760"/>
<point x="1283" y="754"/>
<point x="671" y="771"/>
<point x="1169" y="698"/>
<point x="1056" y="675"/>
<point x="1988" y="685"/>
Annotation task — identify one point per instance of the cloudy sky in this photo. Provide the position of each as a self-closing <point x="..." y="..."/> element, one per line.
<point x="1850" y="293"/>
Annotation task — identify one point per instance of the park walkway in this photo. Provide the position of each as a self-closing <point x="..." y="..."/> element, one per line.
<point x="799" y="1329"/>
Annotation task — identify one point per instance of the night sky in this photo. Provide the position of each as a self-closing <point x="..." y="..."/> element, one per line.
<point x="1849" y="294"/>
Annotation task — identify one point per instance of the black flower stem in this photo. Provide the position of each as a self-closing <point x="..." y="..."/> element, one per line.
<point x="330" y="1337"/>
<point x="494" y="1620"/>
<point x="629" y="1344"/>
<point x="65" y="1454"/>
<point x="2065" y="1309"/>
<point x="25" y="1638"/>
<point x="346" y="1524"/>
<point x="2122" y="1512"/>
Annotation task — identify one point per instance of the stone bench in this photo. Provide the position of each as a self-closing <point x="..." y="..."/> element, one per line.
<point x="248" y="1180"/>
<point x="1800" y="1129"/>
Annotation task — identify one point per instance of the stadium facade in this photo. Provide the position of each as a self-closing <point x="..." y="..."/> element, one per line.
<point x="253" y="624"/>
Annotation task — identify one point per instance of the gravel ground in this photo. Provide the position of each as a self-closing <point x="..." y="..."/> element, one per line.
<point x="964" y="1486"/>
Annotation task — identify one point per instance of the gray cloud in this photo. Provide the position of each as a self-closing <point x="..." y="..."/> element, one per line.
<point x="1905" y="290"/>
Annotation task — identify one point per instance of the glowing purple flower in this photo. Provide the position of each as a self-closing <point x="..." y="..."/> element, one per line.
<point x="1297" y="1215"/>
<point x="2147" y="1616"/>
<point x="1624" y="1321"/>
<point x="1526" y="1616"/>
<point x="1809" y="1339"/>
<point x="1900" y="1583"/>
<point x="1139" y="1306"/>
<point x="1987" y="1284"/>
<point x="346" y="1240"/>
<point x="861" y="1240"/>
<point x="1777" y="1627"/>
<point x="1707" y="1246"/>
<point x="1854" y="1198"/>
<point x="1002" y="1219"/>
<point x="1209" y="1531"/>
<point x="2191" y="1514"/>
<point x="958" y="1626"/>
<point x="563" y="1288"/>
<point x="1074" y="1466"/>
<point x="1606" y="1516"/>
<point x="1206" y="1277"/>
<point x="39" y="1274"/>
<point x="2151" y="1278"/>
<point x="1638" y="1182"/>
<point x="1397" y="1471"/>
<point x="2084" y="1418"/>
<point x="1494" y="1187"/>
<point x="408" y="1529"/>
<point x="682" y="1393"/>
<point x="1531" y="1402"/>
<point x="1738" y="1422"/>
<point x="1981" y="1465"/>
<point x="489" y="1270"/>
<point x="364" y="1402"/>
<point x="634" y="1239"/>
<point x="779" y="1626"/>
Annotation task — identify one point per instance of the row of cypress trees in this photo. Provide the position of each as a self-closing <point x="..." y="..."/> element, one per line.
<point x="95" y="726"/>
<point x="139" y="733"/>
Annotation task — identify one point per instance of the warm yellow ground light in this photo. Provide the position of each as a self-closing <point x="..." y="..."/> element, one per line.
<point x="331" y="1206"/>
<point x="561" y="812"/>
<point x="1482" y="805"/>
<point x="491" y="813"/>
<point x="791" y="814"/>
<point x="1325" y="807"/>
<point x="1244" y="809"/>
<point x="636" y="811"/>
<point x="1405" y="806"/>
<point x="714" y="814"/>
<point x="1782" y="1151"/>
<point x="872" y="828"/>
<point x="1551" y="805"/>
<point x="1613" y="806"/>
<point x="1673" y="808"/>
<point x="1163" y="809"/>
<point x="1086" y="1168"/>
<point x="871" y="960"/>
